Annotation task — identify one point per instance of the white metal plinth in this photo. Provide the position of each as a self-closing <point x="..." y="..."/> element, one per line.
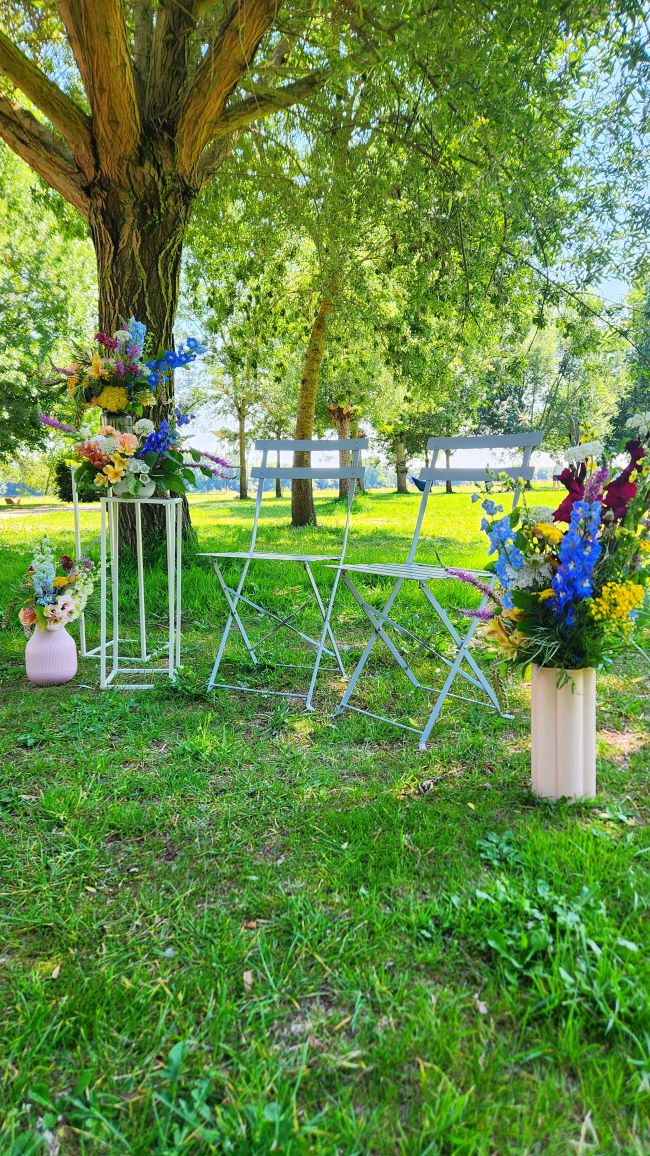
<point x="113" y="665"/>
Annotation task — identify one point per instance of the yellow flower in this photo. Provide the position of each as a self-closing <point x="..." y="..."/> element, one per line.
<point x="644" y="545"/>
<point x="550" y="531"/>
<point x="101" y="479"/>
<point x="96" y="368"/>
<point x="72" y="386"/>
<point x="544" y="595"/>
<point x="501" y="639"/>
<point x="616" y="603"/>
<point x="113" y="398"/>
<point x="147" y="397"/>
<point x="58" y="582"/>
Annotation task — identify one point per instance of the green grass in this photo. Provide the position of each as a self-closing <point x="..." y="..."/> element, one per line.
<point x="229" y="926"/>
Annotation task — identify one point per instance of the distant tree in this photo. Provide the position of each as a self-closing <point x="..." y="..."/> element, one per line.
<point x="636" y="398"/>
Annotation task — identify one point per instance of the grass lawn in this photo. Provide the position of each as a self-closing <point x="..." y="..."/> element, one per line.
<point x="231" y="926"/>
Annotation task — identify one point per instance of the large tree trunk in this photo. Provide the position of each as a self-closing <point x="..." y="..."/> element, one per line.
<point x="341" y="419"/>
<point x="302" y="497"/>
<point x="241" y="442"/>
<point x="278" y="481"/>
<point x="357" y="432"/>
<point x="138" y="229"/>
<point x="401" y="466"/>
<point x="448" y="487"/>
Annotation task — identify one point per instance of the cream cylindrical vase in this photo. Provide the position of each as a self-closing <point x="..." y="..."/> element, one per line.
<point x="563" y="733"/>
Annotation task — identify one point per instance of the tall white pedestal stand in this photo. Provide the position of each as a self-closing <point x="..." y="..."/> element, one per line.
<point x="83" y="648"/>
<point x="114" y="666"/>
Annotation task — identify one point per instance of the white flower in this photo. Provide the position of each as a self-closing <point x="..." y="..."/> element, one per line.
<point x="122" y="335"/>
<point x="188" y="460"/>
<point x="143" y="427"/>
<point x="106" y="444"/>
<point x="640" y="422"/>
<point x="586" y="450"/>
<point x="541" y="514"/>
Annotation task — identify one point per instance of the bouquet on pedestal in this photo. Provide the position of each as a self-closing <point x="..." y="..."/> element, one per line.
<point x="572" y="581"/>
<point x="151" y="460"/>
<point x="116" y="374"/>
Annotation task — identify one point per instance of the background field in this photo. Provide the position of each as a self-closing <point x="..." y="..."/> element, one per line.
<point x="231" y="926"/>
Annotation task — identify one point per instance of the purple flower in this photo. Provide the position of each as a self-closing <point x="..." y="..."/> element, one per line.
<point x="472" y="580"/>
<point x="52" y="423"/>
<point x="482" y="615"/>
<point x="218" y="461"/>
<point x="594" y="484"/>
<point x="119" y="368"/>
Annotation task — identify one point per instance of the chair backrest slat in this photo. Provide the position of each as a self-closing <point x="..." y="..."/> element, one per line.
<point x="316" y="444"/>
<point x="470" y="474"/>
<point x="317" y="473"/>
<point x="487" y="441"/>
<point x="266" y="472"/>
<point x="524" y="441"/>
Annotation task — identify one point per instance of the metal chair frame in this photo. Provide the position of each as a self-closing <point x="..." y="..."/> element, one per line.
<point x="412" y="571"/>
<point x="325" y="644"/>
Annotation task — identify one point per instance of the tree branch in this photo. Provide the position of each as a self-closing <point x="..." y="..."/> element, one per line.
<point x="175" y="21"/>
<point x="142" y="42"/>
<point x="98" y="35"/>
<point x="226" y="61"/>
<point x="255" y="107"/>
<point x="60" y="109"/>
<point x="37" y="145"/>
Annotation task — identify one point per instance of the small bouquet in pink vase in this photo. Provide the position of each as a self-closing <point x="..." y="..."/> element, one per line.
<point x="57" y="594"/>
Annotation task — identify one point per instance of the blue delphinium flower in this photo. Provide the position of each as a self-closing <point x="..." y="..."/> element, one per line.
<point x="175" y="359"/>
<point x="138" y="333"/>
<point x="501" y="537"/>
<point x="578" y="553"/>
<point x="182" y="418"/>
<point x="160" y="440"/>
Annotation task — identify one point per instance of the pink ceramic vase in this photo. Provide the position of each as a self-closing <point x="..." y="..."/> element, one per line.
<point x="50" y="657"/>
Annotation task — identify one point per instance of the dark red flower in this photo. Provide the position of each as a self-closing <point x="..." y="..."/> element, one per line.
<point x="66" y="562"/>
<point x="620" y="492"/>
<point x="107" y="341"/>
<point x="573" y="479"/>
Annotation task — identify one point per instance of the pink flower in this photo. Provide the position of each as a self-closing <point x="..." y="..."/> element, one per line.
<point x="128" y="442"/>
<point x="27" y="616"/>
<point x="57" y="617"/>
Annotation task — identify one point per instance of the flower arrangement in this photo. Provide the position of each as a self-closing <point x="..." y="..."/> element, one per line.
<point x="148" y="461"/>
<point x="572" y="580"/>
<point x="57" y="590"/>
<point x="115" y="374"/>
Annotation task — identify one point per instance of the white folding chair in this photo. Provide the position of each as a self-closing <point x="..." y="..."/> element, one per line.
<point x="425" y="575"/>
<point x="325" y="643"/>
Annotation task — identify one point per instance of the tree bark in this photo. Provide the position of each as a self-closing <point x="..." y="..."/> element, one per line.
<point x="341" y="420"/>
<point x="302" y="497"/>
<point x="448" y="486"/>
<point x="356" y="432"/>
<point x="138" y="228"/>
<point x="401" y="466"/>
<point x="278" y="481"/>
<point x="241" y="442"/>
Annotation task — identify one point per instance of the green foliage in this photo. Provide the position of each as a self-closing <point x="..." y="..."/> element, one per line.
<point x="46" y="285"/>
<point x="265" y="929"/>
<point x="62" y="482"/>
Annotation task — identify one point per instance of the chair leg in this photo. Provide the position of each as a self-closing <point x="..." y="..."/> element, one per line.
<point x="371" y="641"/>
<point x="326" y="616"/>
<point x="232" y="617"/>
<point x="484" y="682"/>
<point x="453" y="671"/>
